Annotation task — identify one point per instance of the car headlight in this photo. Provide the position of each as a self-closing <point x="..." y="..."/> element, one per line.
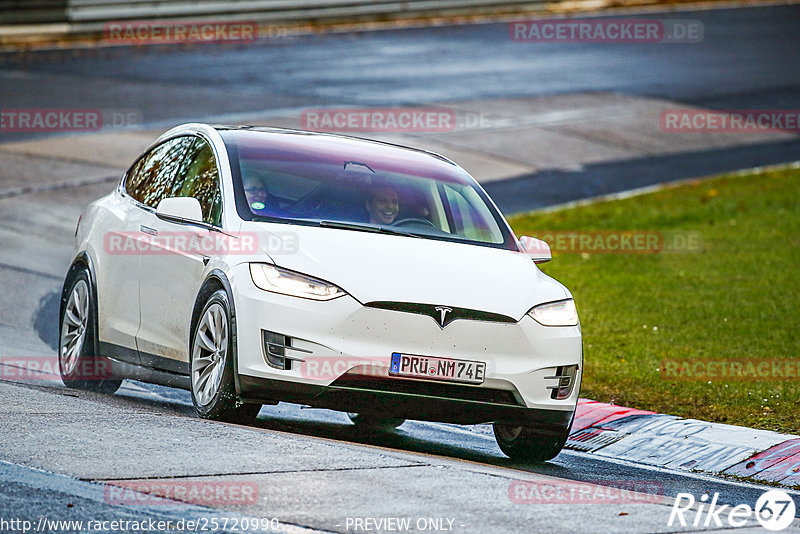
<point x="277" y="280"/>
<point x="561" y="313"/>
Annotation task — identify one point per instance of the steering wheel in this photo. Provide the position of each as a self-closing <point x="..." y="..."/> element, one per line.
<point x="413" y="220"/>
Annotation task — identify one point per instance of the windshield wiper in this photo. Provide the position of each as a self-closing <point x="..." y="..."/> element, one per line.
<point x="267" y="218"/>
<point x="281" y="220"/>
<point x="365" y="228"/>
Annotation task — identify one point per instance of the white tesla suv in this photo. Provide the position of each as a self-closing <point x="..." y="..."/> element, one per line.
<point x="258" y="265"/>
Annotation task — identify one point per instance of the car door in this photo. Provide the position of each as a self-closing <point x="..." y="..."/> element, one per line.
<point x="124" y="226"/>
<point x="171" y="277"/>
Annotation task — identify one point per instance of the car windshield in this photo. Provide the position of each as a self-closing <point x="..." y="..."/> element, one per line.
<point x="357" y="184"/>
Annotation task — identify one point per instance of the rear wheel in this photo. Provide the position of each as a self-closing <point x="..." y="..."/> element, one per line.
<point x="213" y="391"/>
<point x="528" y="444"/>
<point x="79" y="366"/>
<point x="373" y="422"/>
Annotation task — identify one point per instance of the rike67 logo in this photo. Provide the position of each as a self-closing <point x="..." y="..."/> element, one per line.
<point x="774" y="510"/>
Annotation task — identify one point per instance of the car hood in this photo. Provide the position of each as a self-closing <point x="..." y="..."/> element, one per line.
<point x="378" y="267"/>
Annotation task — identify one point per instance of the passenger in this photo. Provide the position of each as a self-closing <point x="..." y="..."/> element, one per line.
<point x="383" y="205"/>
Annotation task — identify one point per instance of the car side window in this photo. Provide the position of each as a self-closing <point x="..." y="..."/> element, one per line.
<point x="150" y="180"/>
<point x="199" y="178"/>
<point x="467" y="220"/>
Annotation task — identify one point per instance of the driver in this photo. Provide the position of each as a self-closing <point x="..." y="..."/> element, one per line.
<point x="256" y="192"/>
<point x="383" y="205"/>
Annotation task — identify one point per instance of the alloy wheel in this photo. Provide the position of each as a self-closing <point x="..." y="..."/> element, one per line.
<point x="75" y="325"/>
<point x="209" y="354"/>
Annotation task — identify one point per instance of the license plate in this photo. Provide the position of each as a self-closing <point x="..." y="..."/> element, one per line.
<point x="446" y="369"/>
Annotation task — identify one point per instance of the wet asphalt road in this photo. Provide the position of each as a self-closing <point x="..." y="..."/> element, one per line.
<point x="470" y="446"/>
<point x="748" y="58"/>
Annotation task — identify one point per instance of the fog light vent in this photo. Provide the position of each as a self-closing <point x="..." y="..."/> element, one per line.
<point x="275" y="347"/>
<point x="565" y="374"/>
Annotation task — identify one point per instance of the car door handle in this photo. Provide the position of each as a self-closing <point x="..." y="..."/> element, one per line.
<point x="148" y="230"/>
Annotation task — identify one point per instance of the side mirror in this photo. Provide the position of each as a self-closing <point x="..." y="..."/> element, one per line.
<point x="537" y="249"/>
<point x="180" y="209"/>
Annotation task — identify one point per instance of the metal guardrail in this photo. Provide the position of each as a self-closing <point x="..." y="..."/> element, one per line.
<point x="32" y="11"/>
<point x="266" y="11"/>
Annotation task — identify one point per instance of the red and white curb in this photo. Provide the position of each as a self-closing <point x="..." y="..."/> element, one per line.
<point x="685" y="444"/>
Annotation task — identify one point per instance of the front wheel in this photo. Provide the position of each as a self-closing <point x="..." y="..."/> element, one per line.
<point x="79" y="366"/>
<point x="528" y="444"/>
<point x="371" y="422"/>
<point x="213" y="391"/>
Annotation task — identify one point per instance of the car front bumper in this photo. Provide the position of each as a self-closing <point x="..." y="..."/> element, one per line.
<point x="343" y="349"/>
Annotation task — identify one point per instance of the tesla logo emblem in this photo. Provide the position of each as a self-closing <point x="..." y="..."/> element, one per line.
<point x="443" y="314"/>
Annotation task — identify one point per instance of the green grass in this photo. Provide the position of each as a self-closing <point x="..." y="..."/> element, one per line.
<point x="737" y="298"/>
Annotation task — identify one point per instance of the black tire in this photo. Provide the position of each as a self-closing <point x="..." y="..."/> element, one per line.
<point x="526" y="444"/>
<point x="78" y="364"/>
<point x="222" y="403"/>
<point x="372" y="422"/>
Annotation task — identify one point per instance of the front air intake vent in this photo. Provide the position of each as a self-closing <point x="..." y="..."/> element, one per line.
<point x="565" y="375"/>
<point x="275" y="347"/>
